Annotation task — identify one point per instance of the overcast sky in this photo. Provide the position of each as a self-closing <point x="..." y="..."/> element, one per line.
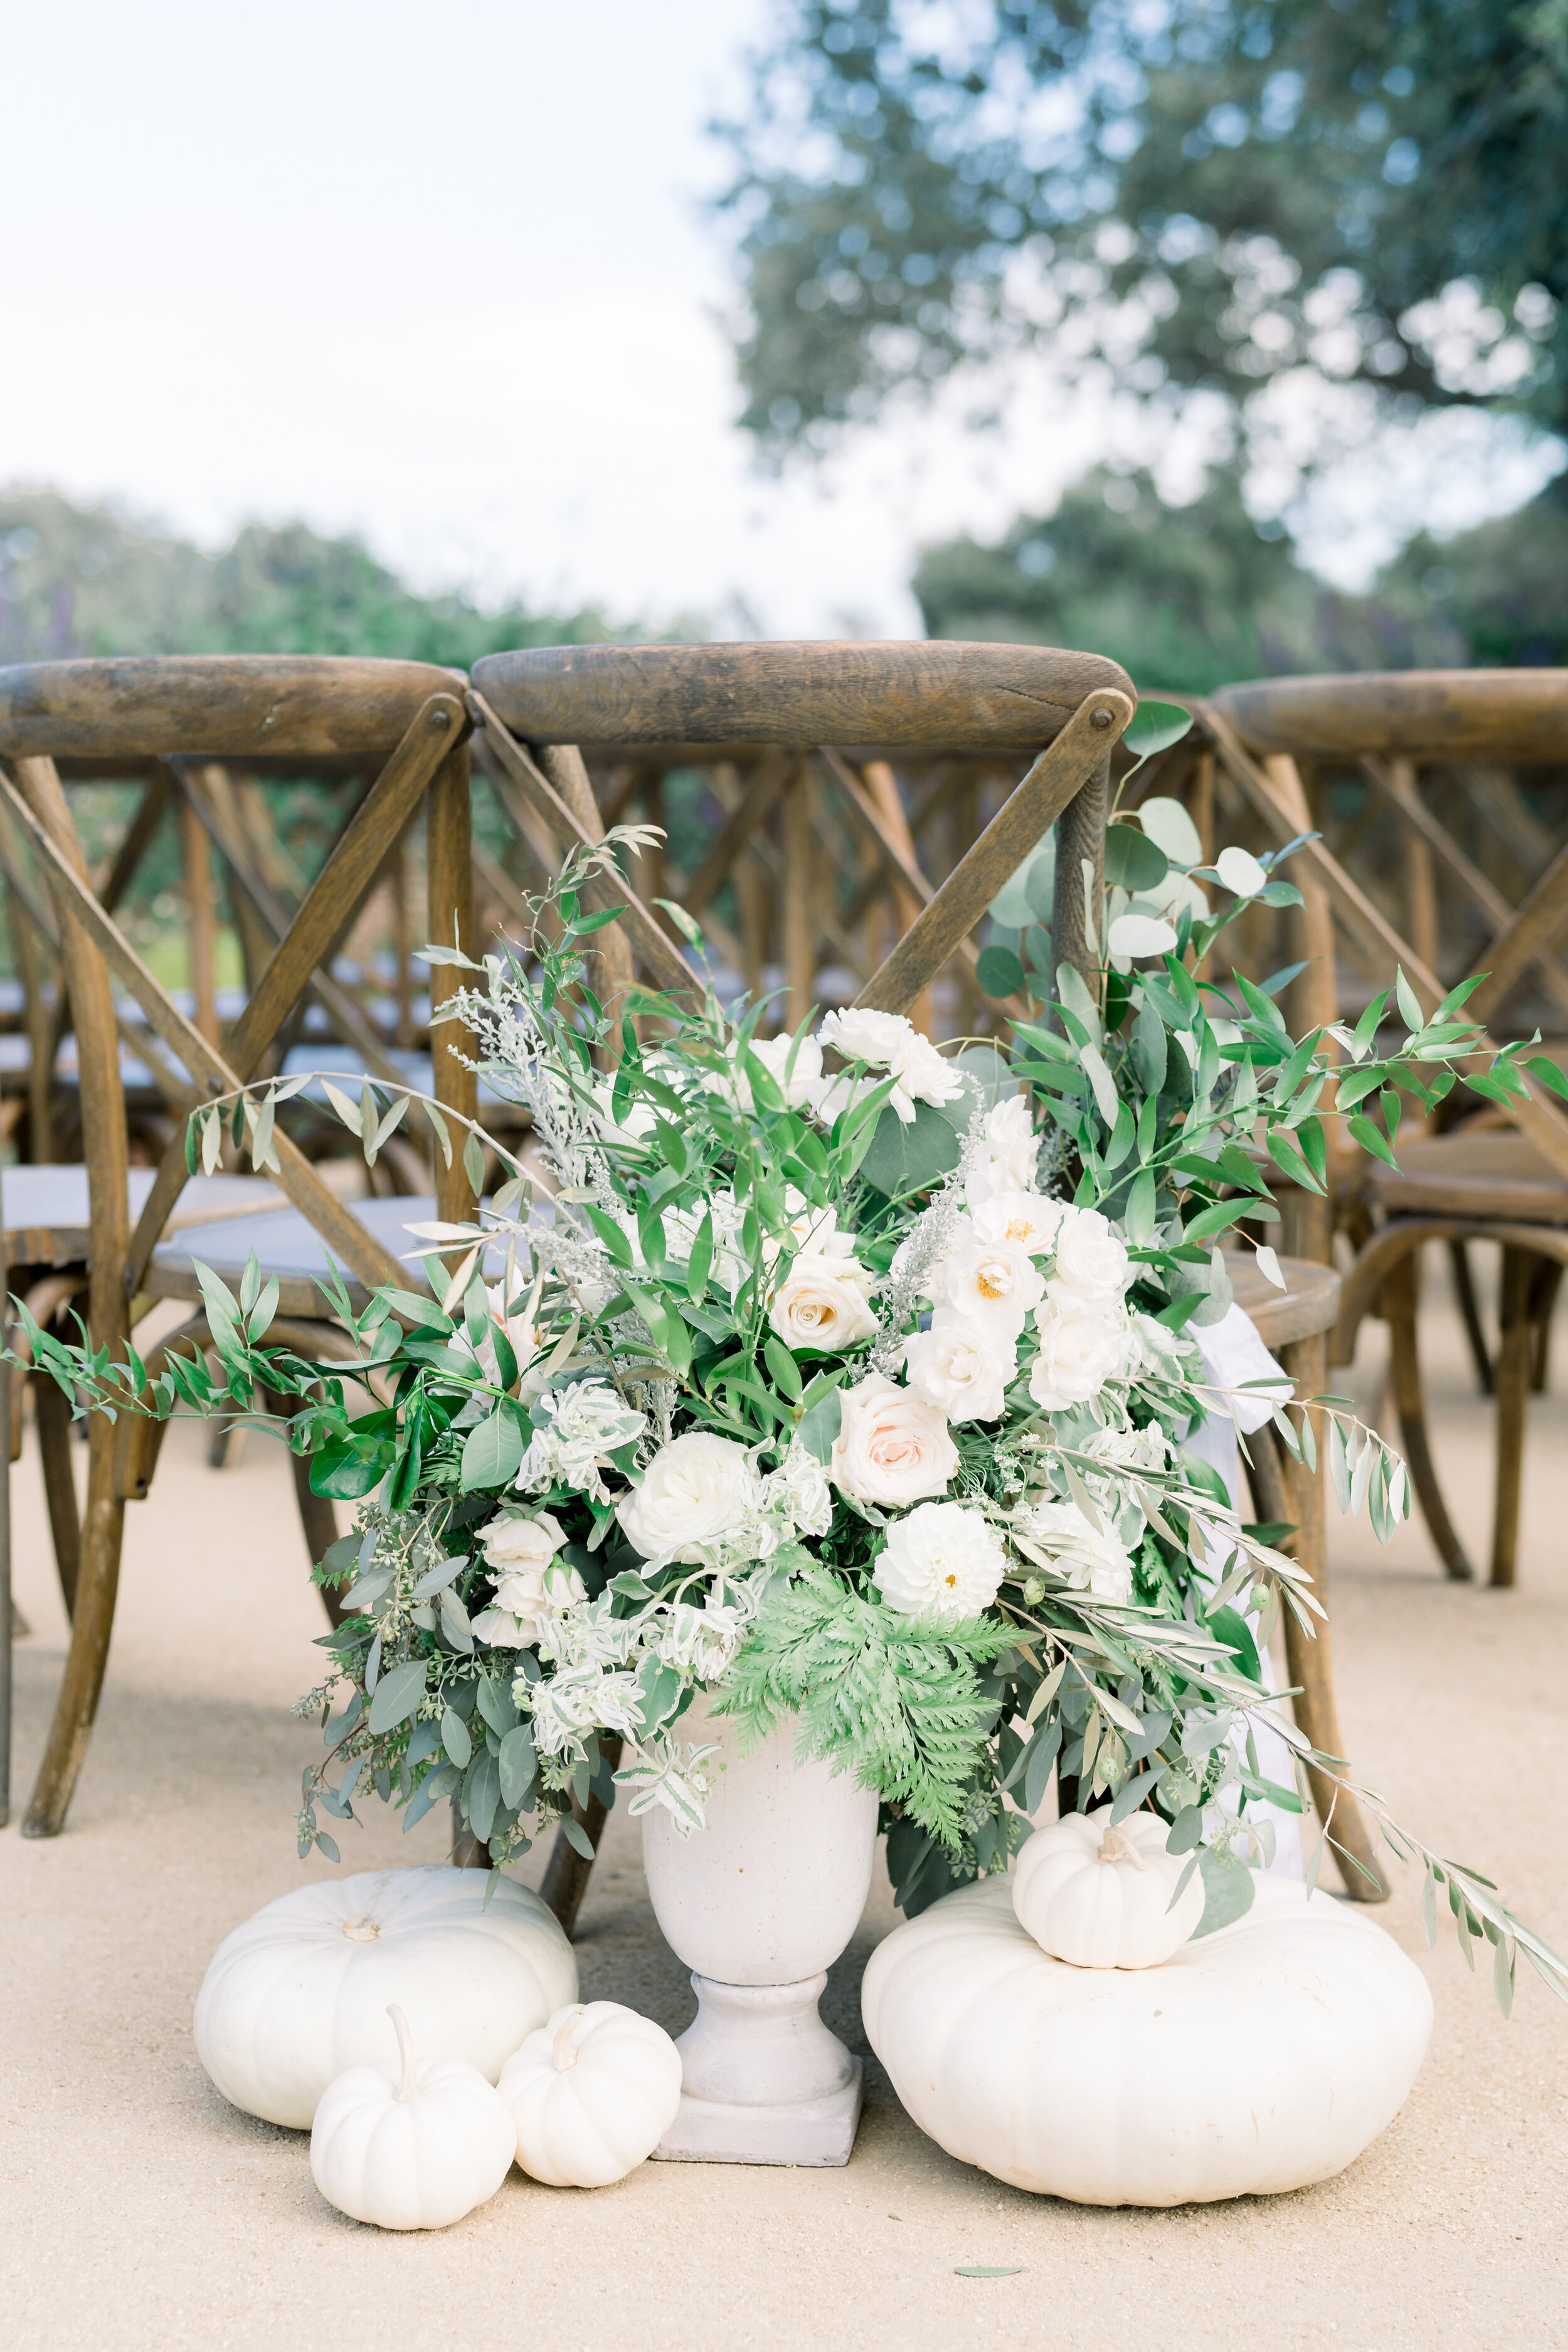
<point x="439" y="274"/>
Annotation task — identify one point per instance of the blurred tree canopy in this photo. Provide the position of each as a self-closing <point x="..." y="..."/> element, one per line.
<point x="1195" y="192"/>
<point x="1191" y="597"/>
<point x="84" y="580"/>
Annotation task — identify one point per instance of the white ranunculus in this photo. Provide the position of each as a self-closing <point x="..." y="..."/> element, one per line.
<point x="885" y="1040"/>
<point x="1082" y="1345"/>
<point x="996" y="1281"/>
<point x="1240" y="872"/>
<point x="892" y="1447"/>
<point x="1091" y="1258"/>
<point x="820" y="1305"/>
<point x="962" y="1365"/>
<point x="1009" y="1155"/>
<point x="697" y="1489"/>
<point x="943" y="1562"/>
<point x="1030" y="1219"/>
<point x="1090" y="1559"/>
<point x="801" y="1082"/>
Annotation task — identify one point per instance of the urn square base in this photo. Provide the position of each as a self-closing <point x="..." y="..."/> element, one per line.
<point x="819" y="2131"/>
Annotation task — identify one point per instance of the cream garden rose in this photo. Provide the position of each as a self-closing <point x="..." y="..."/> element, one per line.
<point x="893" y="1446"/>
<point x="822" y="1303"/>
<point x="994" y="1282"/>
<point x="696" y="1490"/>
<point x="943" y="1562"/>
<point x="962" y="1366"/>
<point x="1082" y="1345"/>
<point x="1091" y="1258"/>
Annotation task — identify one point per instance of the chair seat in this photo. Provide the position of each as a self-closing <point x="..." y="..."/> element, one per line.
<point x="1494" y="1174"/>
<point x="288" y="1246"/>
<point x="1308" y="1303"/>
<point x="49" y="1222"/>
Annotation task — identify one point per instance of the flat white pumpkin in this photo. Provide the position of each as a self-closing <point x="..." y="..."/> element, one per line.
<point x="591" y="2095"/>
<point x="410" y="2146"/>
<point x="1100" y="1898"/>
<point x="301" y="1990"/>
<point x="1259" y="2059"/>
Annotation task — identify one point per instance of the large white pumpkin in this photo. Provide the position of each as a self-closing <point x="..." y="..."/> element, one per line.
<point x="301" y="1990"/>
<point x="1104" y="1897"/>
<point x="1258" y="2059"/>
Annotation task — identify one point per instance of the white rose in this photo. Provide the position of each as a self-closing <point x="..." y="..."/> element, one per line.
<point x="821" y="1304"/>
<point x="1027" y="1218"/>
<point x="1082" y="1346"/>
<point x="1090" y="1559"/>
<point x="997" y="1282"/>
<point x="800" y="1084"/>
<point x="961" y="1365"/>
<point x="696" y="1489"/>
<point x="1009" y="1155"/>
<point x="516" y="1542"/>
<point x="886" y="1041"/>
<point x="1092" y="1258"/>
<point x="892" y="1446"/>
<point x="943" y="1562"/>
<point x="529" y="1579"/>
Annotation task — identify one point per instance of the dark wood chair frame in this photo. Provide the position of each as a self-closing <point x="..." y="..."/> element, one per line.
<point x="1392" y="725"/>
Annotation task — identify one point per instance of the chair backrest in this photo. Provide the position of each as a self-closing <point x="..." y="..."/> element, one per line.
<point x="405" y="718"/>
<point x="214" y="707"/>
<point x="1507" y="715"/>
<point x="821" y="700"/>
<point x="960" y="696"/>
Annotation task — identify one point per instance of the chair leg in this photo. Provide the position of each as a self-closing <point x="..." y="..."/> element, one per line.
<point x="1286" y="1489"/>
<point x="1543" y="1305"/>
<point x="1465" y="1290"/>
<point x="56" y="1450"/>
<point x="1513" y="1371"/>
<point x="92" y="1622"/>
<point x="567" y="1872"/>
<point x="1398" y="1305"/>
<point x="317" y="1513"/>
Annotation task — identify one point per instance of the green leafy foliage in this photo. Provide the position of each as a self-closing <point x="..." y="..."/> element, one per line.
<point x="898" y="1703"/>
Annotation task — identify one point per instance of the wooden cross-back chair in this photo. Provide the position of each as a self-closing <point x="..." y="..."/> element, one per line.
<point x="405" y="720"/>
<point x="1053" y="719"/>
<point x="1408" y="735"/>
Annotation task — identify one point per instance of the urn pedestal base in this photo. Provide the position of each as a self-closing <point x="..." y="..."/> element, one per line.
<point x="765" y="2081"/>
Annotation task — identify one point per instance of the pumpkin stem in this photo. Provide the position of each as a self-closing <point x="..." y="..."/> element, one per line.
<point x="563" y="2050"/>
<point x="409" y="2084"/>
<point x="1114" y="1847"/>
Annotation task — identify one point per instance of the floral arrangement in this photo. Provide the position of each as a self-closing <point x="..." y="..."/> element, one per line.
<point x="846" y="1377"/>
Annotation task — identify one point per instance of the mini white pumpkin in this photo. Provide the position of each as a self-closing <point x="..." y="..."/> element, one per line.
<point x="301" y="1992"/>
<point x="407" y="2147"/>
<point x="1100" y="1898"/>
<point x="591" y="2095"/>
<point x="1258" y="2059"/>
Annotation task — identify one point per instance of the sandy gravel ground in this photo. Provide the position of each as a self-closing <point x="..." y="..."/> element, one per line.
<point x="138" y="2210"/>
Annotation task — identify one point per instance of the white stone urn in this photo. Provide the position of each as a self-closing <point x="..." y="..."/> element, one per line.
<point x="758" y="1903"/>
